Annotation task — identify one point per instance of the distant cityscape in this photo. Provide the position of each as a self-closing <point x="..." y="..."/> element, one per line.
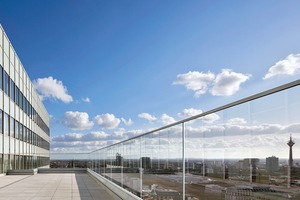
<point x="247" y="178"/>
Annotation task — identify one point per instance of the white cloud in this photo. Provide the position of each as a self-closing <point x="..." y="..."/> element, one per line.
<point x="87" y="100"/>
<point x="87" y="142"/>
<point x="210" y="118"/>
<point x="166" y="119"/>
<point x="77" y="120"/>
<point x="196" y="81"/>
<point x="77" y="147"/>
<point x="225" y="83"/>
<point x="128" y="122"/>
<point x="147" y="116"/>
<point x="189" y="112"/>
<point x="49" y="88"/>
<point x="71" y="137"/>
<point x="288" y="66"/>
<point x="107" y="120"/>
<point x="236" y="121"/>
<point x="228" y="82"/>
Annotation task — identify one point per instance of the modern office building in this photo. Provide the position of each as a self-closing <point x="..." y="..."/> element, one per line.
<point x="24" y="121"/>
<point x="272" y="164"/>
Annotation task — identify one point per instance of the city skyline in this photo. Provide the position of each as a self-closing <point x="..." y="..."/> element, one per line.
<point x="108" y="71"/>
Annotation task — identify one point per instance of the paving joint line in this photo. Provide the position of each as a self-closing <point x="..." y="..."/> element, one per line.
<point x="15" y="181"/>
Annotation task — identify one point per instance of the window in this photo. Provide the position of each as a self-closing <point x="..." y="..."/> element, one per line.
<point x="12" y="127"/>
<point x="21" y="100"/>
<point x="25" y="134"/>
<point x="6" y="83"/>
<point x="17" y="96"/>
<point x="24" y="103"/>
<point x="17" y="129"/>
<point x="6" y="124"/>
<point x="21" y="131"/>
<point x="12" y="90"/>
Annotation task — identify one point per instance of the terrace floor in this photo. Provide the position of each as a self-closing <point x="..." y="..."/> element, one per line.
<point x="60" y="186"/>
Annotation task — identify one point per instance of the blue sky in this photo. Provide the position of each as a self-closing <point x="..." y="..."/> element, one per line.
<point x="120" y="68"/>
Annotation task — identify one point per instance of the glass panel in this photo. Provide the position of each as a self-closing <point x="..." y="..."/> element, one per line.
<point x="12" y="90"/>
<point x="17" y="96"/>
<point x="1" y="161"/>
<point x="6" y="163"/>
<point x="161" y="161"/>
<point x="6" y="83"/>
<point x="205" y="152"/>
<point x="12" y="127"/>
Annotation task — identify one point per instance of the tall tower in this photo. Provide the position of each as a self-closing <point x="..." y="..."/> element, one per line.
<point x="291" y="143"/>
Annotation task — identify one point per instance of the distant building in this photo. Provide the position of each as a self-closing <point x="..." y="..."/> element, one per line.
<point x="146" y="162"/>
<point x="272" y="164"/>
<point x="119" y="160"/>
<point x="251" y="164"/>
<point x="291" y="144"/>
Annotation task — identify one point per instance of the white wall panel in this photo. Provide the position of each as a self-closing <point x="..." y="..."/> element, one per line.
<point x="6" y="104"/>
<point x="12" y="109"/>
<point x="6" y="64"/>
<point x="1" y="38"/>
<point x="17" y="113"/>
<point x="1" y="100"/>
<point x="12" y="73"/>
<point x="12" y="55"/>
<point x="1" y="56"/>
<point x="5" y="45"/>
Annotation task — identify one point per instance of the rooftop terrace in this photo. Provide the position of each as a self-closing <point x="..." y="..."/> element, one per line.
<point x="54" y="186"/>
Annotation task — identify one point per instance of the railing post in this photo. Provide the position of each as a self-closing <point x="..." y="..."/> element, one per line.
<point x="183" y="161"/>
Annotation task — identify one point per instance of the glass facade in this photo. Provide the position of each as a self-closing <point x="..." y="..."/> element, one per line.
<point x="24" y="121"/>
<point x="237" y="151"/>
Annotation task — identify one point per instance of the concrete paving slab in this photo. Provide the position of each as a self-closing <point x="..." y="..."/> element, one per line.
<point x="61" y="186"/>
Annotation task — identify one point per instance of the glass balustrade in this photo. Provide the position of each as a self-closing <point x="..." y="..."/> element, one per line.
<point x="237" y="151"/>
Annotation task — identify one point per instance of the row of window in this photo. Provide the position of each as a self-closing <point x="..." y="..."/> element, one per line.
<point x="11" y="127"/>
<point x="11" y="162"/>
<point x="10" y="88"/>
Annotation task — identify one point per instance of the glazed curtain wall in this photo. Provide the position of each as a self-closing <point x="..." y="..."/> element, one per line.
<point x="24" y="121"/>
<point x="236" y="150"/>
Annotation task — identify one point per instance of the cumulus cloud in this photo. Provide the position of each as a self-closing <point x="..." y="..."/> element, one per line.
<point x="77" y="120"/>
<point x="228" y="82"/>
<point x="189" y="112"/>
<point x="128" y="122"/>
<point x="107" y="120"/>
<point x="196" y="81"/>
<point x="86" y="142"/>
<point x="49" y="88"/>
<point x="166" y="119"/>
<point x="71" y="137"/>
<point x="288" y="66"/>
<point x="225" y="83"/>
<point x="79" y="147"/>
<point x="147" y="116"/>
<point x="237" y="121"/>
<point x="87" y="100"/>
<point x="210" y="118"/>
